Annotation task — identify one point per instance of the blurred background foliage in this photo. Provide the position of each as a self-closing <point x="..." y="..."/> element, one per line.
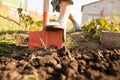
<point x="95" y="26"/>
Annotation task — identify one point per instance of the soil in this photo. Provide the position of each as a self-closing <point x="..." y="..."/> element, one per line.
<point x="87" y="60"/>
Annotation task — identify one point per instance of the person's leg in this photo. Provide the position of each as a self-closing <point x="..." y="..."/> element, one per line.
<point x="72" y="19"/>
<point x="76" y="26"/>
<point x="65" y="10"/>
<point x="56" y="7"/>
<point x="61" y="23"/>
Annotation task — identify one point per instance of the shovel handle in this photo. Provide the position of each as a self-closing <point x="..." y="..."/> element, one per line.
<point x="45" y="12"/>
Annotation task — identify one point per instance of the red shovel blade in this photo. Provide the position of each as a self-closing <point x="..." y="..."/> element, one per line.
<point x="45" y="38"/>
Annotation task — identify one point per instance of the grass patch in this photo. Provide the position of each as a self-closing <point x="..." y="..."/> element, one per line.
<point x="5" y="47"/>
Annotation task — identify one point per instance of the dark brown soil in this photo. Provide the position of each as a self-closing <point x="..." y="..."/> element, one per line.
<point x="86" y="61"/>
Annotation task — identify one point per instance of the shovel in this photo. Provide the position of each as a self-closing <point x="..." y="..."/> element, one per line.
<point x="45" y="38"/>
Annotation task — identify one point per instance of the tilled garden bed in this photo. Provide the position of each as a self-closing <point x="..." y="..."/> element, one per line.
<point x="88" y="61"/>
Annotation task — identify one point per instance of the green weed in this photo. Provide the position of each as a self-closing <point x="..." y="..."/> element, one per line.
<point x="16" y="55"/>
<point x="70" y="42"/>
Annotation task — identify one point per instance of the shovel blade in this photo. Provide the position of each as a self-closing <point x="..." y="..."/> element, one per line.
<point x="45" y="39"/>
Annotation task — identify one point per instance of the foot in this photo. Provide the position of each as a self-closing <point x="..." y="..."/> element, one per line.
<point x="60" y="24"/>
<point x="54" y="26"/>
<point x="75" y="28"/>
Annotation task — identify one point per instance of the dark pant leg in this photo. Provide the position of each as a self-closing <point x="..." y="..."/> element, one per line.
<point x="68" y="1"/>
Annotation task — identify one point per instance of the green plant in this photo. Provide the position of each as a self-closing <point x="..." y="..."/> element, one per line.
<point x="27" y="21"/>
<point x="95" y="26"/>
<point x="5" y="47"/>
<point x="2" y="50"/>
<point x="16" y="55"/>
<point x="70" y="42"/>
